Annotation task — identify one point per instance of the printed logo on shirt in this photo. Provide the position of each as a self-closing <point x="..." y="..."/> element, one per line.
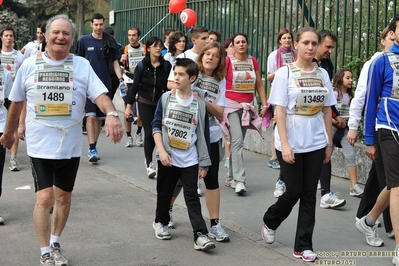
<point x="90" y="48"/>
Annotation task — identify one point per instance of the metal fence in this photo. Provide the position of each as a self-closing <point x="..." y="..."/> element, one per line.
<point x="357" y="23"/>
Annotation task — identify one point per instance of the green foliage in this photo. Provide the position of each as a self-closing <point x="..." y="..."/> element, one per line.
<point x="20" y="25"/>
<point x="355" y="64"/>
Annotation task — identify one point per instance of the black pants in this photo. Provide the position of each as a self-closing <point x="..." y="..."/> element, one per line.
<point x="166" y="181"/>
<point x="301" y="183"/>
<point x="325" y="178"/>
<point x="146" y="113"/>
<point x="375" y="183"/>
<point x="2" y="160"/>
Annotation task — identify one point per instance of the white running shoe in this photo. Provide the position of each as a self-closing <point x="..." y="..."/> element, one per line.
<point x="171" y="224"/>
<point x="371" y="233"/>
<point x="279" y="189"/>
<point x="203" y="243"/>
<point x="240" y="188"/>
<point x="356" y="191"/>
<point x="139" y="140"/>
<point x="268" y="234"/>
<point x="151" y="172"/>
<point x="331" y="200"/>
<point x="161" y="231"/>
<point x="129" y="142"/>
<point x="217" y="232"/>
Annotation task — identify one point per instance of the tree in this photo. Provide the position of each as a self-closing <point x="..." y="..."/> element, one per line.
<point x="20" y="25"/>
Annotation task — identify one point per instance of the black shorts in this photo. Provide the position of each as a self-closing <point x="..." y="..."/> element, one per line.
<point x="390" y="156"/>
<point x="60" y="173"/>
<point x="91" y="109"/>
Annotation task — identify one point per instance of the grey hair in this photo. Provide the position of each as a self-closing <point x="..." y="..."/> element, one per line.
<point x="64" y="17"/>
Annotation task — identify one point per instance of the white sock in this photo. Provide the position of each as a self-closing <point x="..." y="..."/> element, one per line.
<point x="54" y="239"/>
<point x="45" y="250"/>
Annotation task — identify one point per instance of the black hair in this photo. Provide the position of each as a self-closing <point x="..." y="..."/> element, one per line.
<point x="327" y="33"/>
<point x="392" y="25"/>
<point x="110" y="31"/>
<point x="136" y="29"/>
<point x="97" y="16"/>
<point x="190" y="66"/>
<point x="174" y="39"/>
<point x="152" y="40"/>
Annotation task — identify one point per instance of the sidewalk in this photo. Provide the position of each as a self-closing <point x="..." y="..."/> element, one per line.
<point x="113" y="207"/>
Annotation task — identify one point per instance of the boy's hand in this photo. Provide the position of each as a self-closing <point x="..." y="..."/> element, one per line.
<point x="165" y="159"/>
<point x="202" y="173"/>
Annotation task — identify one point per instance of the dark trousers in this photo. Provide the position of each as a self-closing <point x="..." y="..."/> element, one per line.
<point x="166" y="181"/>
<point x="375" y="183"/>
<point x="301" y="183"/>
<point x="325" y="178"/>
<point x="147" y="112"/>
<point x="2" y="160"/>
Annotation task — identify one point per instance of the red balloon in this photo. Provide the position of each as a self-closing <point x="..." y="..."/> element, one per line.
<point x="188" y="17"/>
<point x="175" y="6"/>
<point x="1" y="2"/>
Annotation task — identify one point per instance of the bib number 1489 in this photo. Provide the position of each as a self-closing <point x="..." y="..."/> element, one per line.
<point x="53" y="96"/>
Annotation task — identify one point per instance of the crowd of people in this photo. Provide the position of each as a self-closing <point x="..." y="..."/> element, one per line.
<point x="194" y="99"/>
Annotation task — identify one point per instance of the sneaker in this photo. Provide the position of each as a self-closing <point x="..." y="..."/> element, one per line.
<point x="356" y="191"/>
<point x="171" y="224"/>
<point x="371" y="233"/>
<point x="129" y="142"/>
<point x="1" y="221"/>
<point x="240" y="188"/>
<point x="13" y="166"/>
<point x="227" y="162"/>
<point x="330" y="200"/>
<point x="199" y="191"/>
<point x="135" y="120"/>
<point x="59" y="260"/>
<point x="268" y="234"/>
<point x="151" y="172"/>
<point x="93" y="156"/>
<point x="279" y="189"/>
<point x="46" y="260"/>
<point x="274" y="164"/>
<point x="161" y="231"/>
<point x="139" y="140"/>
<point x="217" y="232"/>
<point x="391" y="234"/>
<point x="306" y="255"/>
<point x="84" y="130"/>
<point x="318" y="185"/>
<point x="203" y="243"/>
<point x="395" y="260"/>
<point x="230" y="183"/>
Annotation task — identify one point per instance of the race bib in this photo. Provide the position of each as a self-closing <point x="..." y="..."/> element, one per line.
<point x="394" y="62"/>
<point x="53" y="89"/>
<point x="312" y="91"/>
<point x="134" y="57"/>
<point x="2" y="86"/>
<point x="10" y="63"/>
<point x="244" y="77"/>
<point x="181" y="122"/>
<point x="287" y="58"/>
<point x="211" y="86"/>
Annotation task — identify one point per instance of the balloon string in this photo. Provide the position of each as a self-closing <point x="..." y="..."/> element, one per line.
<point x="188" y="31"/>
<point x="154" y="26"/>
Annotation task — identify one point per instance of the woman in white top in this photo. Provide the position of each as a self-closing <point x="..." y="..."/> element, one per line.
<point x="302" y="94"/>
<point x="284" y="55"/>
<point x="177" y="45"/>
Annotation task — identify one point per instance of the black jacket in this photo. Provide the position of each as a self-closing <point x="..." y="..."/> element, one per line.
<point x="152" y="83"/>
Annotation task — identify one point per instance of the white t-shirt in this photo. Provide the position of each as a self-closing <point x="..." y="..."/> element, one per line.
<point x="20" y="59"/>
<point x="171" y="58"/>
<point x="214" y="131"/>
<point x="42" y="140"/>
<point x="357" y="103"/>
<point x="189" y="157"/>
<point x="272" y="62"/>
<point x="7" y="89"/>
<point x="304" y="133"/>
<point x="32" y="48"/>
<point x="187" y="54"/>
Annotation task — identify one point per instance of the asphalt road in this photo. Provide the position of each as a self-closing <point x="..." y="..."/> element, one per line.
<point x="113" y="207"/>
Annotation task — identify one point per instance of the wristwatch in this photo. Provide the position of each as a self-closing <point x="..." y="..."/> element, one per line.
<point x="114" y="113"/>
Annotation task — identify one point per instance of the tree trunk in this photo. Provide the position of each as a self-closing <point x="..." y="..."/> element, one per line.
<point x="81" y="18"/>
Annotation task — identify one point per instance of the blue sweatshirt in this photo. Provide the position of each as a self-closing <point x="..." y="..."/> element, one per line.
<point x="379" y="96"/>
